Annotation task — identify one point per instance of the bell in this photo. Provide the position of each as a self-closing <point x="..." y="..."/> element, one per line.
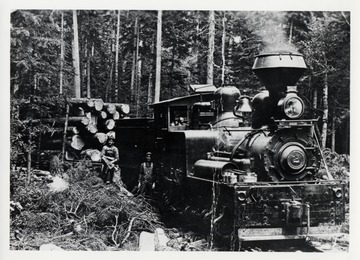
<point x="245" y="105"/>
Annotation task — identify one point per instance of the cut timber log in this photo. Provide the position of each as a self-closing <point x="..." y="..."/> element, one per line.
<point x="77" y="111"/>
<point x="116" y="116"/>
<point x="111" y="108"/>
<point x="110" y="134"/>
<point x="101" y="137"/>
<point x="93" y="154"/>
<point x="90" y="103"/>
<point x="85" y="120"/>
<point x="79" y="100"/>
<point x="92" y="128"/>
<point x="122" y="108"/>
<point x="93" y="118"/>
<point x="72" y="119"/>
<point x="96" y="156"/>
<point x="96" y="104"/>
<point x="99" y="104"/>
<point x="110" y="124"/>
<point x="77" y="142"/>
<point x="70" y="156"/>
<point x="84" y="102"/>
<point x="102" y="115"/>
<point x="75" y="130"/>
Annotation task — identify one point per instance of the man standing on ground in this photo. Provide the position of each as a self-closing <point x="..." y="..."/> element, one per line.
<point x="110" y="158"/>
<point x="146" y="183"/>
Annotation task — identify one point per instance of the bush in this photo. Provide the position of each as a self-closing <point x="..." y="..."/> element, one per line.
<point x="86" y="209"/>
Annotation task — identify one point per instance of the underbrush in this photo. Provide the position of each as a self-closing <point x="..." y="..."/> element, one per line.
<point x="337" y="164"/>
<point x="85" y="215"/>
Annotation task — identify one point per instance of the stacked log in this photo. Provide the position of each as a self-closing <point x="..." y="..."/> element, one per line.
<point x="90" y="123"/>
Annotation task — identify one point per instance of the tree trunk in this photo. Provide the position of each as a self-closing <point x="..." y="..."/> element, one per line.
<point x="134" y="63"/>
<point x="230" y="64"/>
<point x="333" y="132"/>
<point x="76" y="57"/>
<point x="138" y="85"/>
<point x="62" y="50"/>
<point x="84" y="71"/>
<point x="29" y="159"/>
<point x="158" y="57"/>
<point x="149" y="96"/>
<point x="109" y="86"/>
<point x="172" y="70"/>
<point x="117" y="58"/>
<point x="291" y="31"/>
<point x="315" y="94"/>
<point x="88" y="87"/>
<point x="325" y="109"/>
<point x="65" y="131"/>
<point x="35" y="83"/>
<point x="223" y="51"/>
<point x="210" y="57"/>
<point x="195" y="79"/>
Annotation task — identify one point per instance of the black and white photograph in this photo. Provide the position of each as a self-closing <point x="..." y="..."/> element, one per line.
<point x="198" y="130"/>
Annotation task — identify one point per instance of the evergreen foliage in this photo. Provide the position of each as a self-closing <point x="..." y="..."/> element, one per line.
<point x="36" y="45"/>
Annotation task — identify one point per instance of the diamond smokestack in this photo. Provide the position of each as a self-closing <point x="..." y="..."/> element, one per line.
<point x="279" y="69"/>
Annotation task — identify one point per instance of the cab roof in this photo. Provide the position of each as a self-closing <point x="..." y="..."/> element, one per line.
<point x="185" y="99"/>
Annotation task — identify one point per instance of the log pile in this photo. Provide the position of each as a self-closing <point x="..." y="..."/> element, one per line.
<point x="90" y="123"/>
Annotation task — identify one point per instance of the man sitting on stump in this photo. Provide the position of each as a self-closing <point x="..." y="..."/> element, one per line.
<point x="110" y="158"/>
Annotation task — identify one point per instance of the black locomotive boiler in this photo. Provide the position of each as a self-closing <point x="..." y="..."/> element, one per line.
<point x="248" y="171"/>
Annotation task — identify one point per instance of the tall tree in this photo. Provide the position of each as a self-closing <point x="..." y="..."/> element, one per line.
<point x="88" y="74"/>
<point x="326" y="46"/>
<point x="158" y="57"/>
<point x="210" y="57"/>
<point x="325" y="97"/>
<point x="76" y="56"/>
<point x="223" y="41"/>
<point x="117" y="57"/>
<point x="138" y="82"/>
<point x="134" y="71"/>
<point x="62" y="53"/>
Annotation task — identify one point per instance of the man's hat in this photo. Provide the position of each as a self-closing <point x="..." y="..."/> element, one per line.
<point x="148" y="153"/>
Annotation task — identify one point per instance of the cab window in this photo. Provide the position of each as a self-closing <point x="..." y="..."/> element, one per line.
<point x="178" y="117"/>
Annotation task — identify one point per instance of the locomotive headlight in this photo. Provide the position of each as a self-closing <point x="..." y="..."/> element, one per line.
<point x="293" y="107"/>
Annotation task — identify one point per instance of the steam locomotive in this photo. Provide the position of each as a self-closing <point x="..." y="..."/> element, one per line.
<point x="249" y="171"/>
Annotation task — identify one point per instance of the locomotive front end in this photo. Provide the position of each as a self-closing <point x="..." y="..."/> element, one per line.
<point x="289" y="201"/>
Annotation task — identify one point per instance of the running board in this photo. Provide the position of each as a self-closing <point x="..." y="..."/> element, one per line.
<point x="259" y="234"/>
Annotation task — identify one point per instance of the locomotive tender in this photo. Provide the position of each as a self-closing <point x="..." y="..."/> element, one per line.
<point x="250" y="172"/>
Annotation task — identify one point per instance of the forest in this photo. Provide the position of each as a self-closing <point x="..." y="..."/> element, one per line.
<point x="139" y="57"/>
<point x="113" y="55"/>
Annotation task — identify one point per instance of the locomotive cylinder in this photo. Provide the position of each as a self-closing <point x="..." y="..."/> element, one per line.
<point x="207" y="168"/>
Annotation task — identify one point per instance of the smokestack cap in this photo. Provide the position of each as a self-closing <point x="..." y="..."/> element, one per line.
<point x="279" y="69"/>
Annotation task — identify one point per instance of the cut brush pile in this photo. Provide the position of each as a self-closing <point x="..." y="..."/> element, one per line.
<point x="76" y="211"/>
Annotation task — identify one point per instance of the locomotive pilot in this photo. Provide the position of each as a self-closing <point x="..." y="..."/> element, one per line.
<point x="109" y="158"/>
<point x="146" y="182"/>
